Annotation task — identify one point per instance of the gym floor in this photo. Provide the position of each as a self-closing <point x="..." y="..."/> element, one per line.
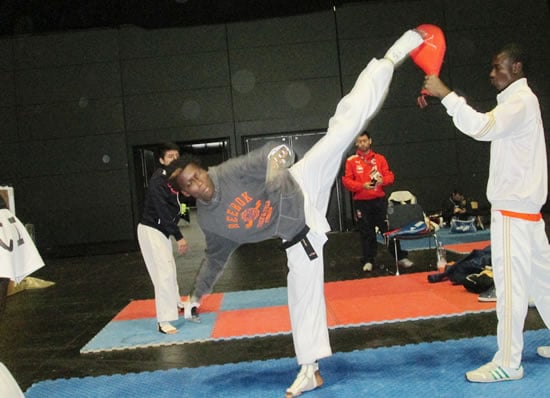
<point x="42" y="330"/>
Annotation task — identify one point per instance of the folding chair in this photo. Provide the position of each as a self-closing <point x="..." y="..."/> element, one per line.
<point x="406" y="221"/>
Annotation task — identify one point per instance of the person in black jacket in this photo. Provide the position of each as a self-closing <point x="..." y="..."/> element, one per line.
<point x="455" y="206"/>
<point x="161" y="213"/>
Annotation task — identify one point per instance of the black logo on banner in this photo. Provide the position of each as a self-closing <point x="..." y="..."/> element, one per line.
<point x="20" y="240"/>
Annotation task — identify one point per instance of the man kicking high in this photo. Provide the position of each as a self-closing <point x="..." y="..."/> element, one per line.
<point x="262" y="195"/>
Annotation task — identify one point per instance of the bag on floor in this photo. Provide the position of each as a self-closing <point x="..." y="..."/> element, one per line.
<point x="480" y="282"/>
<point x="473" y="263"/>
<point x="461" y="226"/>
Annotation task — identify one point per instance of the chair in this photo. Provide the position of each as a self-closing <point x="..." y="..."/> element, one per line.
<point x="406" y="221"/>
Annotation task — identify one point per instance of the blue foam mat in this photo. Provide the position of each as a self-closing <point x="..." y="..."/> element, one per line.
<point x="254" y="299"/>
<point x="421" y="370"/>
<point x="142" y="332"/>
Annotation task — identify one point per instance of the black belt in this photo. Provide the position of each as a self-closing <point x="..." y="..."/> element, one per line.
<point x="301" y="237"/>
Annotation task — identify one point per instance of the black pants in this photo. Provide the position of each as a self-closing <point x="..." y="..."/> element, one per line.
<point x="371" y="214"/>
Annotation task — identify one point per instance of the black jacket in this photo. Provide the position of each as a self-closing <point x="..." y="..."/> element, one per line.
<point x="162" y="208"/>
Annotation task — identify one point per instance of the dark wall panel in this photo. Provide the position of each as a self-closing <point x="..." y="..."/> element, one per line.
<point x="7" y="88"/>
<point x="8" y="162"/>
<point x="70" y="119"/>
<point x="291" y="62"/>
<point x="67" y="83"/>
<point x="173" y="73"/>
<point x="74" y="155"/>
<point x="67" y="209"/>
<point x="494" y="14"/>
<point x="58" y="50"/>
<point x="540" y="76"/>
<point x="386" y="19"/>
<point x="416" y="160"/>
<point x="477" y="44"/>
<point x="277" y="31"/>
<point x="8" y="123"/>
<point x="288" y="99"/>
<point x="7" y="84"/>
<point x="6" y="55"/>
<point x="181" y="108"/>
<point x="136" y="43"/>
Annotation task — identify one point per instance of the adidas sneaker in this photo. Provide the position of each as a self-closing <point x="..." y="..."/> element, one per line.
<point x="491" y="372"/>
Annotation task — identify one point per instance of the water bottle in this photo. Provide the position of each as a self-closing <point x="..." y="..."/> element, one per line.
<point x="441" y="257"/>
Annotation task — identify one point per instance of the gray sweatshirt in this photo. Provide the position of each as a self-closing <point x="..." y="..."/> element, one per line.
<point x="245" y="209"/>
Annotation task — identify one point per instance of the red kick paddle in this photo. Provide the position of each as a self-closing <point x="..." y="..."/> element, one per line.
<point x="429" y="55"/>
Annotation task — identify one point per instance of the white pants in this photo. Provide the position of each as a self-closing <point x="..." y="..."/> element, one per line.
<point x="520" y="256"/>
<point x="8" y="386"/>
<point x="156" y="250"/>
<point x="316" y="173"/>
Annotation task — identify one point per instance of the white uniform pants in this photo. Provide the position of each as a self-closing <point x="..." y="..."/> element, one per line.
<point x="159" y="260"/>
<point x="8" y="386"/>
<point x="520" y="256"/>
<point x="316" y="173"/>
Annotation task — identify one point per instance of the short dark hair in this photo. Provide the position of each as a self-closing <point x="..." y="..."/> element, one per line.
<point x="365" y="133"/>
<point x="174" y="169"/>
<point x="165" y="147"/>
<point x="516" y="54"/>
<point x="457" y="191"/>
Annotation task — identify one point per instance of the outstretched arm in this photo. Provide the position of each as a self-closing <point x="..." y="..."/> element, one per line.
<point x="482" y="126"/>
<point x="218" y="250"/>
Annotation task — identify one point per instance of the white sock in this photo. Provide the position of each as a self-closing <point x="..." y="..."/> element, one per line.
<point x="313" y="365"/>
<point x="403" y="46"/>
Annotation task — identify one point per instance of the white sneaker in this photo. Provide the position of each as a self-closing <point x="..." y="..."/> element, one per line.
<point x="544" y="351"/>
<point x="166" y="328"/>
<point x="491" y="372"/>
<point x="367" y="267"/>
<point x="405" y="263"/>
<point x="190" y="311"/>
<point x="403" y="46"/>
<point x="308" y="379"/>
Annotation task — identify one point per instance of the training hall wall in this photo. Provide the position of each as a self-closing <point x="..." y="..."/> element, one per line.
<point x="74" y="105"/>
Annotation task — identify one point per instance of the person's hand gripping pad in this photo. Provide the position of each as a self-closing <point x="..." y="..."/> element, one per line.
<point x="429" y="56"/>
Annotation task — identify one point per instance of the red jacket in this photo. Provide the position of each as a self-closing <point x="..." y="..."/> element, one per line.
<point x="360" y="169"/>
